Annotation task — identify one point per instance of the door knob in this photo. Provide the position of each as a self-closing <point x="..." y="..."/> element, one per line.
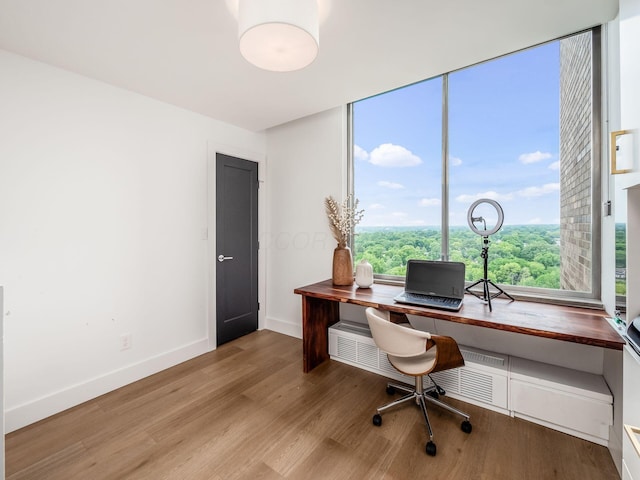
<point x="222" y="258"/>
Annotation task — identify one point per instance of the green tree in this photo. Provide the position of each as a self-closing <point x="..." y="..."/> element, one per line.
<point x="518" y="255"/>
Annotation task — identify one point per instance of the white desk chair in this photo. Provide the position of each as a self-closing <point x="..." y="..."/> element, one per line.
<point x="416" y="353"/>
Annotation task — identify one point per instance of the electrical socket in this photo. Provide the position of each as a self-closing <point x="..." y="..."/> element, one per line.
<point x="125" y="341"/>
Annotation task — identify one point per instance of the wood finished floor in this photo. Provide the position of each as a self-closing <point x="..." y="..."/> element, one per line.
<point x="246" y="411"/>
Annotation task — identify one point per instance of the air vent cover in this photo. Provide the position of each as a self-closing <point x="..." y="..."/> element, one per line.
<point x="483" y="379"/>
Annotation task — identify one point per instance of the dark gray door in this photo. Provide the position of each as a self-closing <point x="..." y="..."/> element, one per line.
<point x="236" y="247"/>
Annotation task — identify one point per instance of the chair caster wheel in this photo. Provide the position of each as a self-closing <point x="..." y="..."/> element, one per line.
<point x="390" y="390"/>
<point x="431" y="449"/>
<point x="466" y="426"/>
<point x="377" y="419"/>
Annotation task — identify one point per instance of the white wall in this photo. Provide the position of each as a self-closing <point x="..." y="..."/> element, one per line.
<point x="306" y="163"/>
<point x="627" y="24"/>
<point x="629" y="17"/>
<point x="2" y="469"/>
<point x="103" y="216"/>
<point x="629" y="27"/>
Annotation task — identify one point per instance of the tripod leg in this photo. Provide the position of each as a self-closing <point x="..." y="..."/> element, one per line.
<point x="487" y="294"/>
<point x="500" y="291"/>
<point x="473" y="284"/>
<point x="468" y="289"/>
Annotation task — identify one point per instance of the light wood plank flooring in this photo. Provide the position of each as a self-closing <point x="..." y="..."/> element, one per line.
<point x="246" y="411"/>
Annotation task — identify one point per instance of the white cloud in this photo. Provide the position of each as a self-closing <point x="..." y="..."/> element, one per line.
<point x="455" y="161"/>
<point x="430" y="202"/>
<point x="535" y="221"/>
<point x="392" y="185"/>
<point x="534" y="157"/>
<point x="554" y="165"/>
<point x="360" y="153"/>
<point x="465" y="198"/>
<point x="376" y="206"/>
<point x="529" y="192"/>
<point x="400" y="214"/>
<point x="390" y="155"/>
<point x="547" y="188"/>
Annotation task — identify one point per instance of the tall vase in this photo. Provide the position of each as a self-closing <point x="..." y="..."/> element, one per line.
<point x="342" y="266"/>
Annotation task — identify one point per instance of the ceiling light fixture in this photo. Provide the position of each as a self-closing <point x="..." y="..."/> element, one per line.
<point x="278" y="35"/>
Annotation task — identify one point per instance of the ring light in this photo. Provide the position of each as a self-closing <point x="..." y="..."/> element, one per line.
<point x="473" y="219"/>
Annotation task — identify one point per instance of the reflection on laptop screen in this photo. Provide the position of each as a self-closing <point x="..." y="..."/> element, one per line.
<point x="444" y="279"/>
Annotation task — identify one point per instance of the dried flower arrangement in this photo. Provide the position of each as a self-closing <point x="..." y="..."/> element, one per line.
<point x="342" y="218"/>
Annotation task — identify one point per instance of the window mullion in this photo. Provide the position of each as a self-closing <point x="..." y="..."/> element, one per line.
<point x="445" y="168"/>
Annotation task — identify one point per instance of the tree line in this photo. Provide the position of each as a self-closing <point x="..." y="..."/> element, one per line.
<point x="527" y="255"/>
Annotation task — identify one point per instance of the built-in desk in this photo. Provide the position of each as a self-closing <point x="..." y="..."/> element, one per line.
<point x="320" y="310"/>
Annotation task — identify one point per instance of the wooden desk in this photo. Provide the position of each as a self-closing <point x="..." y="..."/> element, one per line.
<point x="320" y="310"/>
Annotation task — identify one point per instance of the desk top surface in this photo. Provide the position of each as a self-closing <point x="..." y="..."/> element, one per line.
<point x="573" y="324"/>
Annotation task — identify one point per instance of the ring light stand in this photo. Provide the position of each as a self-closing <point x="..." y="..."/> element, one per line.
<point x="472" y="220"/>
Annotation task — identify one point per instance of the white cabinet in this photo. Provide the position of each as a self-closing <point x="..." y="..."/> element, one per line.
<point x="573" y="402"/>
<point x="631" y="413"/>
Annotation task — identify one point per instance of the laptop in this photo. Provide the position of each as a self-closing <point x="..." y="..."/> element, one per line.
<point x="434" y="284"/>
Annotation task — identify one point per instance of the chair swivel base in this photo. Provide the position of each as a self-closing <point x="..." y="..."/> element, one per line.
<point x="420" y="397"/>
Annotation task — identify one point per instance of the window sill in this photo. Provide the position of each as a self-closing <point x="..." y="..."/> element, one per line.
<point x="534" y="297"/>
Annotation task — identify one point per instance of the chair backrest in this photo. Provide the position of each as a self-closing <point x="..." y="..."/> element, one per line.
<point x="395" y="339"/>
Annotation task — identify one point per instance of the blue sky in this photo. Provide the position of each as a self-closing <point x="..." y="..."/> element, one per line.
<point x="503" y="144"/>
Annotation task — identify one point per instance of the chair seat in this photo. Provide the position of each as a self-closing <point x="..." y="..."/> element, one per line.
<point x="418" y="365"/>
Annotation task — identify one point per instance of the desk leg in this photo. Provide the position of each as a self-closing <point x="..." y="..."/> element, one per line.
<point x="317" y="316"/>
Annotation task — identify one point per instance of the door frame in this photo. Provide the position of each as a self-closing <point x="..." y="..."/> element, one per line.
<point x="260" y="159"/>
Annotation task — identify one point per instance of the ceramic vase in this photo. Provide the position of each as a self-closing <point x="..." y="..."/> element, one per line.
<point x="342" y="266"/>
<point x="364" y="274"/>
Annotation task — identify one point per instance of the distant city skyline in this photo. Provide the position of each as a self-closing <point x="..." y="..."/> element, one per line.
<point x="503" y="144"/>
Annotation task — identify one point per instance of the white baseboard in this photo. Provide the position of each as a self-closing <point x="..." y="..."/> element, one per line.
<point x="28" y="413"/>
<point x="286" y="328"/>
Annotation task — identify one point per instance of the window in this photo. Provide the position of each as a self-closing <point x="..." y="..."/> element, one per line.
<point x="621" y="244"/>
<point x="519" y="130"/>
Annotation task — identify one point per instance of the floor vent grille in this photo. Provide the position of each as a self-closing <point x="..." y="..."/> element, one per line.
<point x="368" y="354"/>
<point x="483" y="358"/>
<point x="449" y="380"/>
<point x="476" y="385"/>
<point x="347" y="348"/>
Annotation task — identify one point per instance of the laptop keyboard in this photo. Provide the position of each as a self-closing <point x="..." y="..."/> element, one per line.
<point x="431" y="300"/>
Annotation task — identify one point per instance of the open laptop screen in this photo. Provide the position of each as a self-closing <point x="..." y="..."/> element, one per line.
<point x="443" y="279"/>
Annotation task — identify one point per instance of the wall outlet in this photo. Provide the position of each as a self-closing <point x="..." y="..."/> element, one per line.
<point x="125" y="341"/>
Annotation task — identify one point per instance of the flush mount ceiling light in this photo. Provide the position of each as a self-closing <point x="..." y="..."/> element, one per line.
<point x="278" y="35"/>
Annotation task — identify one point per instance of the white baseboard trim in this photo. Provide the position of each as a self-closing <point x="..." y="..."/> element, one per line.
<point x="286" y="328"/>
<point x="30" y="412"/>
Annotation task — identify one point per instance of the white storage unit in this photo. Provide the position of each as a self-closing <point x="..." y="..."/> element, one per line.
<point x="482" y="381"/>
<point x="631" y="414"/>
<point x="571" y="401"/>
<point x="574" y="402"/>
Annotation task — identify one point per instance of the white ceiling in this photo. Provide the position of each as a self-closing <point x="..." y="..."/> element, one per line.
<point x="185" y="52"/>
